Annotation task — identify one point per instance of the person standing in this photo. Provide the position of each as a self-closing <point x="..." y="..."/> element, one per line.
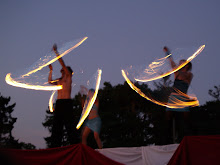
<point x="182" y="81"/>
<point x="63" y="113"/>
<point x="93" y="121"/>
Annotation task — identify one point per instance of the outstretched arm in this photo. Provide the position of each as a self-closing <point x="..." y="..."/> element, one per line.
<point x="61" y="60"/>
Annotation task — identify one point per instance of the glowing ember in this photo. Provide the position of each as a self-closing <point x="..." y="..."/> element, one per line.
<point x="88" y="107"/>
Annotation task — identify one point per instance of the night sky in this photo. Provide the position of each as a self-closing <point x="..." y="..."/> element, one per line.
<point x="120" y="33"/>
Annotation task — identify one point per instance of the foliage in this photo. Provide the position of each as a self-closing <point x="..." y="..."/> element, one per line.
<point x="6" y="126"/>
<point x="129" y="120"/>
<point x="216" y="93"/>
<point x="126" y="117"/>
<point x="6" y="121"/>
<point x="206" y="119"/>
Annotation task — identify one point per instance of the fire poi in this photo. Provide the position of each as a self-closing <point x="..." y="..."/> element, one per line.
<point x="158" y="69"/>
<point x="35" y="76"/>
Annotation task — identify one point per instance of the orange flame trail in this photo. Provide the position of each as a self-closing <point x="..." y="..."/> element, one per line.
<point x="51" y="102"/>
<point x="154" y="65"/>
<point x="176" y="103"/>
<point x="15" y="83"/>
<point x="53" y="60"/>
<point x="91" y="102"/>
<point x="10" y="81"/>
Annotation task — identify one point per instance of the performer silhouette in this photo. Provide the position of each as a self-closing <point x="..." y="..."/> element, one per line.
<point x="63" y="113"/>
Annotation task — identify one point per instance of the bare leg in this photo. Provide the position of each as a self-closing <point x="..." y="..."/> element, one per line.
<point x="85" y="134"/>
<point x="98" y="140"/>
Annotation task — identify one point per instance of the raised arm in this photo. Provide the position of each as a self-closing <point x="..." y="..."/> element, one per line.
<point x="61" y="60"/>
<point x="50" y="80"/>
<point x="170" y="58"/>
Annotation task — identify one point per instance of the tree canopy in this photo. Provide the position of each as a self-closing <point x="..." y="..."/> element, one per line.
<point x="129" y="120"/>
<point x="7" y="124"/>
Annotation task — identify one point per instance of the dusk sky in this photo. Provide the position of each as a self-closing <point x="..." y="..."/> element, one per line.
<point x="120" y="33"/>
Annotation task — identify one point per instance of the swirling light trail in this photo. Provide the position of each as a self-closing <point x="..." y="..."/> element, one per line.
<point x="53" y="60"/>
<point x="87" y="109"/>
<point x="176" y="103"/>
<point x="15" y="83"/>
<point x="51" y="101"/>
<point x="154" y="65"/>
<point x="12" y="82"/>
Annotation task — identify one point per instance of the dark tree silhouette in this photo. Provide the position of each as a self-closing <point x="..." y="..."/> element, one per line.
<point x="7" y="124"/>
<point x="216" y="93"/>
<point x="129" y="120"/>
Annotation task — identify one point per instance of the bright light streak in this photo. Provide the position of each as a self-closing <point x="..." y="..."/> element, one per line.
<point x="51" y="101"/>
<point x="188" y="101"/>
<point x="53" y="60"/>
<point x="154" y="65"/>
<point x="92" y="101"/>
<point x="15" y="83"/>
<point x="12" y="82"/>
<point x="176" y="103"/>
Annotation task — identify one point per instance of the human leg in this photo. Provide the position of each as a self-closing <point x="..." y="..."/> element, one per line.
<point x="57" y="130"/>
<point x="70" y="125"/>
<point x="85" y="134"/>
<point x="73" y="135"/>
<point x="98" y="140"/>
